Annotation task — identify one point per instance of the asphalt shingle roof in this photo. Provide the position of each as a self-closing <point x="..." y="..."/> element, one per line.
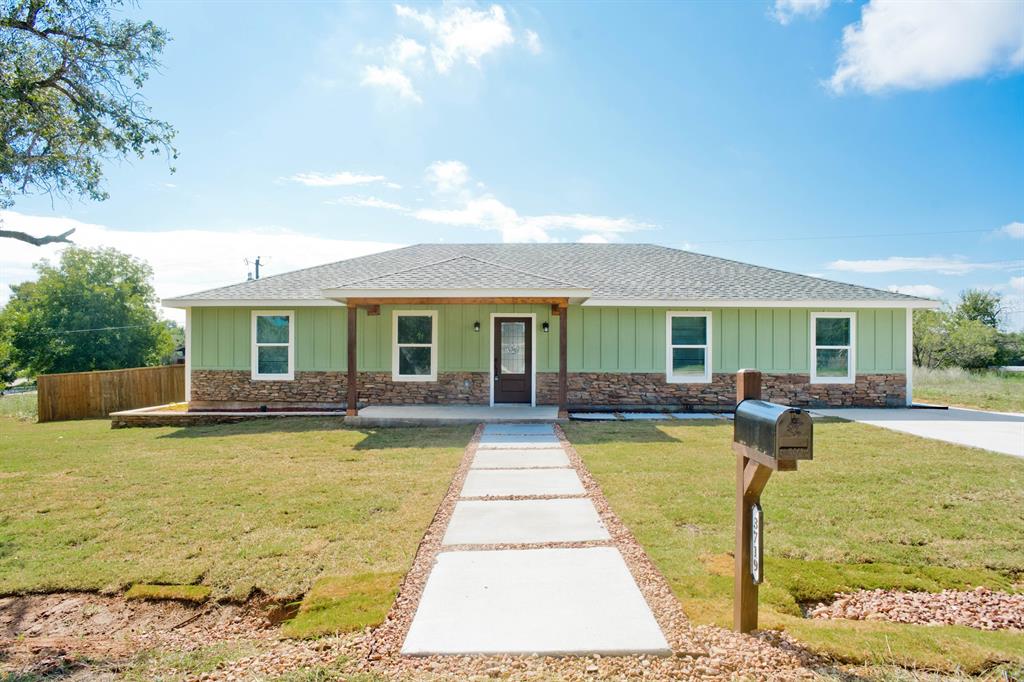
<point x="611" y="271"/>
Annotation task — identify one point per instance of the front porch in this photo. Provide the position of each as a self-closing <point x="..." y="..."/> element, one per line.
<point x="439" y="415"/>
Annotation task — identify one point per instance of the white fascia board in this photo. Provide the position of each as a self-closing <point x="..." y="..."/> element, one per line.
<point x="740" y="303"/>
<point x="247" y="303"/>
<point x="454" y="293"/>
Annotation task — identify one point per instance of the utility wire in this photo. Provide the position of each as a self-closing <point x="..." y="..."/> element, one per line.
<point x="97" y="329"/>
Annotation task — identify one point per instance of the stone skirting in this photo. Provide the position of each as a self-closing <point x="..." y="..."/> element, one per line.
<point x="615" y="389"/>
<point x="233" y="389"/>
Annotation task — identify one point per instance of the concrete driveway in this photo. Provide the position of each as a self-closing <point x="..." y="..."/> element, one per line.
<point x="997" y="431"/>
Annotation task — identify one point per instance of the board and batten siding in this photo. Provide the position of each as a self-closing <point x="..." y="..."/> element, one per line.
<point x="600" y="339"/>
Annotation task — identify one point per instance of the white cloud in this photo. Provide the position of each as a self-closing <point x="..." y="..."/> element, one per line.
<point x="593" y="239"/>
<point x="447" y="176"/>
<point x="922" y="290"/>
<point x="391" y="78"/>
<point x="787" y="10"/>
<point x="489" y="213"/>
<point x="407" y="51"/>
<point x="1016" y="283"/>
<point x="366" y="202"/>
<point x="940" y="264"/>
<point x="462" y="34"/>
<point x="342" y="179"/>
<point x="1015" y="230"/>
<point x="928" y="43"/>
<point x="532" y="41"/>
<point x="179" y="266"/>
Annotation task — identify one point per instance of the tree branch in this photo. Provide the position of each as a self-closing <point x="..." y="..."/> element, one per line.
<point x="38" y="241"/>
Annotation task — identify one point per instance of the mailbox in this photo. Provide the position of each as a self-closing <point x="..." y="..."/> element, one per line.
<point x="774" y="435"/>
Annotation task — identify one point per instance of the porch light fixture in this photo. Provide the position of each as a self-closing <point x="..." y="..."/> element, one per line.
<point x="476" y="326"/>
<point x="546" y="327"/>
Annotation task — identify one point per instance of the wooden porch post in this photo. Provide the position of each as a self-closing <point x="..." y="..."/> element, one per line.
<point x="353" y="389"/>
<point x="751" y="478"/>
<point x="563" y="326"/>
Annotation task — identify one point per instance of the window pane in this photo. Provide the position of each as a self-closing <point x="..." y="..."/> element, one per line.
<point x="271" y="329"/>
<point x="832" y="362"/>
<point x="689" y="331"/>
<point x="272" y="360"/>
<point x="414" y="361"/>
<point x="414" y="328"/>
<point x="832" y="331"/>
<point x="688" y="362"/>
<point x="513" y="347"/>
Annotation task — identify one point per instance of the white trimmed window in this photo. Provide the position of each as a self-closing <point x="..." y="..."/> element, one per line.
<point x="832" y="348"/>
<point x="414" y="352"/>
<point x="273" y="345"/>
<point x="688" y="348"/>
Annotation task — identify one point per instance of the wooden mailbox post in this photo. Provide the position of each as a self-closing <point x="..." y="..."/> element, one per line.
<point x="766" y="438"/>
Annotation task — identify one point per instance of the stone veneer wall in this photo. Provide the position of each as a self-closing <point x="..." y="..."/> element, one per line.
<point x="613" y="389"/>
<point x="233" y="389"/>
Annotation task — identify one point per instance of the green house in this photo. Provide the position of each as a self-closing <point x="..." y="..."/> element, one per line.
<point x="574" y="325"/>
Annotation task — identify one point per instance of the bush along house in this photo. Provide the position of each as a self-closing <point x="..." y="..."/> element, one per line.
<point x="622" y="326"/>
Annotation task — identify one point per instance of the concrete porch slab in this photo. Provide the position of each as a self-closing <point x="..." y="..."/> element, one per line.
<point x="518" y="440"/>
<point x="433" y="415"/>
<point x="517" y="429"/>
<point x="644" y="416"/>
<point x="520" y="459"/>
<point x="511" y="482"/>
<point x="537" y="601"/>
<point x="697" y="415"/>
<point x="477" y="522"/>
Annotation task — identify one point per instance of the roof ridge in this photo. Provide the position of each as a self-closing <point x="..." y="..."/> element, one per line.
<point x="448" y="260"/>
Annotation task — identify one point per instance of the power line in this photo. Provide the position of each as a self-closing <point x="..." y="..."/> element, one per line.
<point x="881" y="235"/>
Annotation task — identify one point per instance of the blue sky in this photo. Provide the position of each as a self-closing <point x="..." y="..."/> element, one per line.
<point x="312" y="132"/>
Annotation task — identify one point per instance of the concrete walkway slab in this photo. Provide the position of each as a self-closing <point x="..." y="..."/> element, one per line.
<point x="518" y="440"/>
<point x="517" y="429"/>
<point x="537" y="601"/>
<point x="510" y="482"/>
<point x="520" y="459"/>
<point x="594" y="416"/>
<point x="996" y="431"/>
<point x="497" y="522"/>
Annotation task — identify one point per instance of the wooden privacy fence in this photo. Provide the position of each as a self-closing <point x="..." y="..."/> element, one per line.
<point x="81" y="395"/>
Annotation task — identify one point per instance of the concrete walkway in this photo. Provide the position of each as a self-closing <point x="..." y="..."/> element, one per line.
<point x="544" y="595"/>
<point x="996" y="431"/>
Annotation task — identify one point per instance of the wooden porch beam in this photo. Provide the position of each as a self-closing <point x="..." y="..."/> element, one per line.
<point x="476" y="300"/>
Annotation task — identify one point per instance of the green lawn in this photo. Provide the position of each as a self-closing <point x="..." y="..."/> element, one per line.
<point x="989" y="390"/>
<point x="269" y="506"/>
<point x="874" y="509"/>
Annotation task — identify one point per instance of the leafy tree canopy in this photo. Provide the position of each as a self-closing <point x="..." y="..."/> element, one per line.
<point x="980" y="306"/>
<point x="70" y="75"/>
<point x="96" y="309"/>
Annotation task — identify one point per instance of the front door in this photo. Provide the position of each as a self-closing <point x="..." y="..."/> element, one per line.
<point x="513" y="359"/>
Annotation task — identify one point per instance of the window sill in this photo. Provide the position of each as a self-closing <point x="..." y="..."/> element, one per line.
<point x="688" y="380"/>
<point x="421" y="379"/>
<point x="273" y="377"/>
<point x="840" y="381"/>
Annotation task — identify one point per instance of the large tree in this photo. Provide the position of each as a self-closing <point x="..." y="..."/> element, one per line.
<point x="96" y="309"/>
<point x="70" y="76"/>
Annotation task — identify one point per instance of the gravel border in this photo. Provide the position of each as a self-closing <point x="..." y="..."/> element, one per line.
<point x="699" y="652"/>
<point x="980" y="608"/>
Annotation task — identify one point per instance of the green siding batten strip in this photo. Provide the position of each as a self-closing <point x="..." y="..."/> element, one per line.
<point x="600" y="339"/>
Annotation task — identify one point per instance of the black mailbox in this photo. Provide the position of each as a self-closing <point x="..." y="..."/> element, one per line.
<point x="774" y="435"/>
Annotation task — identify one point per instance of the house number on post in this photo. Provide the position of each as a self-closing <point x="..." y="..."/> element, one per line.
<point x="756" y="543"/>
<point x="766" y="438"/>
